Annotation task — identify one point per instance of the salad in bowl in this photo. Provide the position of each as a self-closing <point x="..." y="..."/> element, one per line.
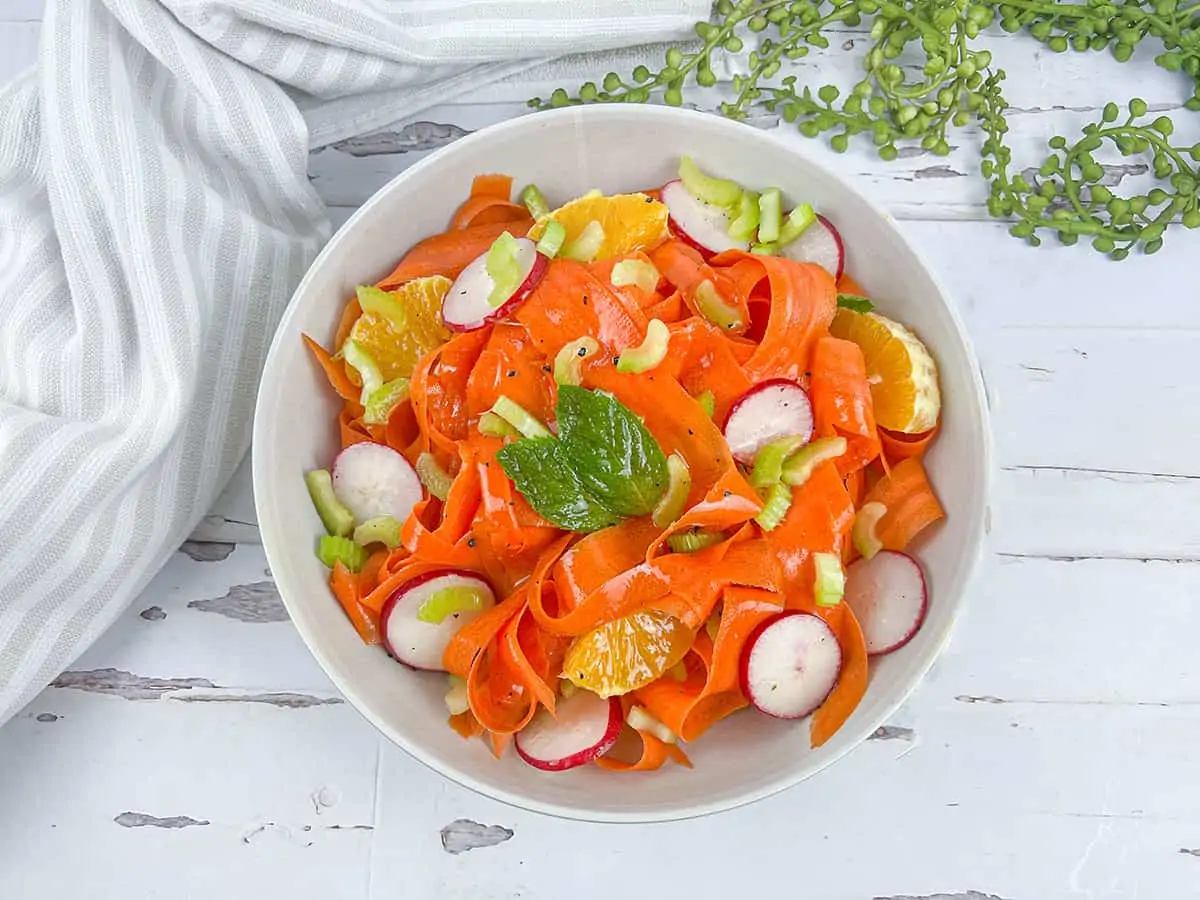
<point x="623" y="465"/>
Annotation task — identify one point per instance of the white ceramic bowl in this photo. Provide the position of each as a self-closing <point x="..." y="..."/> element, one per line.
<point x="568" y="152"/>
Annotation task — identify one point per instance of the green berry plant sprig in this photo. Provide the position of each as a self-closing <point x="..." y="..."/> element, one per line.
<point x="956" y="84"/>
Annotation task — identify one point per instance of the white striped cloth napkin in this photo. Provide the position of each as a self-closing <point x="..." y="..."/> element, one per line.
<point x="155" y="216"/>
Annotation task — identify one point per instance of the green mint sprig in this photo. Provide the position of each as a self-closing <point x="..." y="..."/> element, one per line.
<point x="603" y="466"/>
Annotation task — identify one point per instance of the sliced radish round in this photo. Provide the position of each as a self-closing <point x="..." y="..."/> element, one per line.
<point x="700" y="224"/>
<point x="421" y="644"/>
<point x="888" y="595"/>
<point x="583" y="728"/>
<point x="820" y="243"/>
<point x="467" y="305"/>
<point x="769" y="410"/>
<point x="374" y="480"/>
<point x="790" y="664"/>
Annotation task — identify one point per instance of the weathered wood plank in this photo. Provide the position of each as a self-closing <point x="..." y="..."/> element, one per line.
<point x="112" y="798"/>
<point x="989" y="804"/>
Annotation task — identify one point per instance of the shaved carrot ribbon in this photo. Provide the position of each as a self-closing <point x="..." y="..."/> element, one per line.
<point x="841" y="399"/>
<point x="897" y="447"/>
<point x="911" y="504"/>
<point x="654" y="755"/>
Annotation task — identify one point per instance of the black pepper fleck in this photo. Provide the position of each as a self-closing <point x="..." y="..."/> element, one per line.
<point x="691" y="432"/>
<point x="471" y="542"/>
<point x="616" y="359"/>
<point x="728" y="494"/>
<point x="547" y="368"/>
<point x="512" y="373"/>
<point x="582" y="352"/>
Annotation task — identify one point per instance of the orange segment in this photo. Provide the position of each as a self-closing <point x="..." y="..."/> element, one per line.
<point x="630" y="222"/>
<point x="396" y="349"/>
<point x="627" y="653"/>
<point x="900" y="369"/>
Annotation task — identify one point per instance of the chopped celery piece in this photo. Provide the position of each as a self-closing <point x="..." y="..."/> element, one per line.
<point x="364" y="364"/>
<point x="519" y="418"/>
<point x="708" y="403"/>
<point x="379" y="530"/>
<point x="639" y="719"/>
<point x="717" y="191"/>
<point x="335" y="515"/>
<point x="743" y="227"/>
<point x="650" y="352"/>
<point x="800" y="466"/>
<point x="566" y="689"/>
<point x="769" y="460"/>
<point x="552" y="239"/>
<point x="567" y="362"/>
<point x="449" y="601"/>
<point x="855" y="303"/>
<point x="714" y="307"/>
<point x="863" y="535"/>
<point x="433" y="476"/>
<point x="535" y="201"/>
<point x="378" y="405"/>
<point x="764" y="249"/>
<point x="692" y="541"/>
<point x="491" y="425"/>
<point x="770" y="215"/>
<point x="376" y="300"/>
<point x="796" y="223"/>
<point x="456" y="696"/>
<point x="678" y="672"/>
<point x="503" y="269"/>
<point x="679" y="486"/>
<point x="777" y="503"/>
<point x="635" y="271"/>
<point x="332" y="550"/>
<point x="830" y="583"/>
<point x="586" y="247"/>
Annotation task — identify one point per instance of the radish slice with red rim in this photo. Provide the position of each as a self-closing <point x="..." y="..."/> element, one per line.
<point x="820" y="243"/>
<point x="373" y="480"/>
<point x="583" y="728"/>
<point x="889" y="598"/>
<point x="770" y="410"/>
<point x="790" y="664"/>
<point x="421" y="644"/>
<point x="704" y="226"/>
<point x="468" y="303"/>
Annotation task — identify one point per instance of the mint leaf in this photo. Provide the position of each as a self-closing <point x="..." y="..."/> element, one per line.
<point x="615" y="457"/>
<point x="543" y="475"/>
<point x="854" y="303"/>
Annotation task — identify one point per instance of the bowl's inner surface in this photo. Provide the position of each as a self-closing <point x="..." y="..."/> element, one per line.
<point x="568" y="153"/>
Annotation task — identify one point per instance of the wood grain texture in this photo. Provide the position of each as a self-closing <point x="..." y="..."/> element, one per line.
<point x="197" y="750"/>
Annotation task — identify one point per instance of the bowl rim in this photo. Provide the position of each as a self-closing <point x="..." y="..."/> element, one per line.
<point x="261" y="476"/>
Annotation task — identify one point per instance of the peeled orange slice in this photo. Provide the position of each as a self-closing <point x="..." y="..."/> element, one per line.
<point x="630" y="222"/>
<point x="900" y="369"/>
<point x="627" y="653"/>
<point x="397" y="347"/>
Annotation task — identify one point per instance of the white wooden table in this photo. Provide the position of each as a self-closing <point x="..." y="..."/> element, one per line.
<point x="198" y="751"/>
